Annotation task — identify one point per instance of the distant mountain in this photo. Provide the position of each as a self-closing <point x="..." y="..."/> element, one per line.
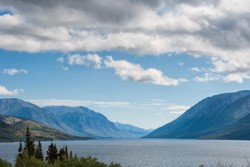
<point x="91" y="123"/>
<point x="13" y="129"/>
<point x="132" y="131"/>
<point x="86" y="121"/>
<point x="77" y="121"/>
<point x="222" y="116"/>
<point x="22" y="109"/>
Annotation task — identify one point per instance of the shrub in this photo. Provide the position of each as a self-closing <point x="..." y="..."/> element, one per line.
<point x="4" y="163"/>
<point x="83" y="162"/>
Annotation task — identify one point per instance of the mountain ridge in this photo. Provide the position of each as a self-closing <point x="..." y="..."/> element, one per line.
<point x="13" y="129"/>
<point x="77" y="121"/>
<point x="204" y="118"/>
<point x="76" y="117"/>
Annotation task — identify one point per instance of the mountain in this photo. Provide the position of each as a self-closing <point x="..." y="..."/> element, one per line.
<point x="13" y="129"/>
<point x="239" y="129"/>
<point x="91" y="123"/>
<point x="131" y="130"/>
<point x="220" y="116"/>
<point x="22" y="109"/>
<point x="18" y="108"/>
<point x="86" y="121"/>
<point x="77" y="121"/>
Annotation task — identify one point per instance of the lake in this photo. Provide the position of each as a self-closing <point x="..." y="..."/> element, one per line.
<point x="152" y="152"/>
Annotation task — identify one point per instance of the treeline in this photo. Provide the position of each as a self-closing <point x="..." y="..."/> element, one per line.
<point x="32" y="156"/>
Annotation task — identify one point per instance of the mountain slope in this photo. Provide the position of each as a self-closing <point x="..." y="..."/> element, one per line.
<point x="132" y="131"/>
<point x="13" y="129"/>
<point x="22" y="109"/>
<point x="91" y="123"/>
<point x="86" y="121"/>
<point x="206" y="117"/>
<point x="239" y="129"/>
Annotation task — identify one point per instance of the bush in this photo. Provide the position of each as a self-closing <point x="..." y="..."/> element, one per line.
<point x="83" y="162"/>
<point x="4" y="163"/>
<point x="27" y="161"/>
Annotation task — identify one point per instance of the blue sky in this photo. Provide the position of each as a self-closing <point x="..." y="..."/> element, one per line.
<point x="140" y="63"/>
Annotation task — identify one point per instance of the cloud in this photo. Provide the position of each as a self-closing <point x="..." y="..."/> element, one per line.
<point x="124" y="69"/>
<point x="195" y="69"/>
<point x="177" y="109"/>
<point x="59" y="102"/>
<point x="173" y="107"/>
<point x="158" y="100"/>
<point x="208" y="77"/>
<point x="60" y="59"/>
<point x="5" y="91"/>
<point x="65" y="68"/>
<point x="177" y="112"/>
<point x="134" y="72"/>
<point x="216" y="29"/>
<point x="14" y="71"/>
<point x="112" y="104"/>
<point x="162" y="107"/>
<point x="87" y="60"/>
<point x="74" y="103"/>
<point x="236" y="77"/>
<point x="181" y="63"/>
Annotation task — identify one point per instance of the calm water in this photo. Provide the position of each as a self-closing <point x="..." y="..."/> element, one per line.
<point x="152" y="152"/>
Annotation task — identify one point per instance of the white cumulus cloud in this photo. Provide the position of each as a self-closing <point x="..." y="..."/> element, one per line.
<point x="5" y="91"/>
<point x="87" y="60"/>
<point x="134" y="72"/>
<point x="236" y="77"/>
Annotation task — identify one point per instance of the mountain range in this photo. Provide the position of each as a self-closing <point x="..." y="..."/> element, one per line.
<point x="87" y="122"/>
<point x="74" y="121"/>
<point x="223" y="116"/>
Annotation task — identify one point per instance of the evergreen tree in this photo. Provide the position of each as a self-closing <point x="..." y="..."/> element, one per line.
<point x="55" y="152"/>
<point x="66" y="152"/>
<point x="39" y="151"/>
<point x="52" y="154"/>
<point x="70" y="155"/>
<point x="29" y="143"/>
<point x="62" y="155"/>
<point x="20" y="149"/>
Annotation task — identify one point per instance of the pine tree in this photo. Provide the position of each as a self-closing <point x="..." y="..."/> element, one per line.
<point x="39" y="151"/>
<point x="66" y="152"/>
<point x="55" y="152"/>
<point x="20" y="149"/>
<point x="52" y="154"/>
<point x="29" y="143"/>
<point x="62" y="155"/>
<point x="70" y="155"/>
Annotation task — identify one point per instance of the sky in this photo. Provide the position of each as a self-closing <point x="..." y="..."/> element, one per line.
<point x="139" y="62"/>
